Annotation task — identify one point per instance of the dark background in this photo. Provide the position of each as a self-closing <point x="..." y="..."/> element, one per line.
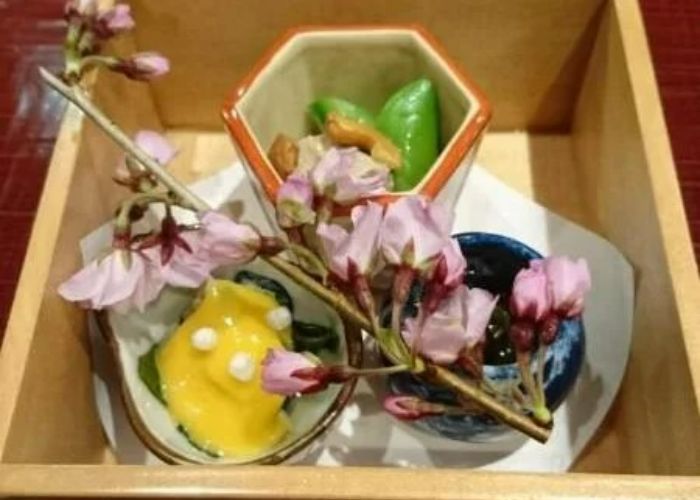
<point x="31" y="32"/>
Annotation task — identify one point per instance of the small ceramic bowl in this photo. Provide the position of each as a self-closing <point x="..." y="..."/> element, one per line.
<point x="493" y="261"/>
<point x="364" y="65"/>
<point x="132" y="335"/>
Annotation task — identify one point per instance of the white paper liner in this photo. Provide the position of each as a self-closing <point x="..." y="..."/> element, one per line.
<point x="364" y="435"/>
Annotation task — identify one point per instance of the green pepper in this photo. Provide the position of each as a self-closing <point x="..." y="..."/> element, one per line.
<point x="411" y="119"/>
<point x="320" y="108"/>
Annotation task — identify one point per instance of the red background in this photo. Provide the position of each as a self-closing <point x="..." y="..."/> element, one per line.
<point x="31" y="32"/>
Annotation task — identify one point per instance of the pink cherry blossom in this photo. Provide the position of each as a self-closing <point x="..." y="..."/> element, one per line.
<point x="132" y="174"/>
<point x="569" y="281"/>
<point x="410" y="407"/>
<point x="446" y="276"/>
<point x="278" y="370"/>
<point x="451" y="265"/>
<point x="186" y="269"/>
<point x="114" y="21"/>
<point x="480" y="305"/>
<point x="347" y="175"/>
<point x="531" y="298"/>
<point x="441" y="335"/>
<point x="460" y="321"/>
<point x="115" y="280"/>
<point x="358" y="248"/>
<point x="143" y="66"/>
<point x="226" y="242"/>
<point x="156" y="146"/>
<point x="295" y="202"/>
<point x="415" y="231"/>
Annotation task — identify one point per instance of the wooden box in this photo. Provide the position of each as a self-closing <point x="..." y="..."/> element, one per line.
<point x="577" y="126"/>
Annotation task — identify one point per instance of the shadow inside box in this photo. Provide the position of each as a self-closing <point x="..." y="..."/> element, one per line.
<point x="583" y="400"/>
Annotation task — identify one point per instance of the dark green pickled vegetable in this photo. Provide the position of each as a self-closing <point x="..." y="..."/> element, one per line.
<point x="320" y="108"/>
<point x="411" y="119"/>
<point x="148" y="373"/>
<point x="313" y="338"/>
<point x="266" y="284"/>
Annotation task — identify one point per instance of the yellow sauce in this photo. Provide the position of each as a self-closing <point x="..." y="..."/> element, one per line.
<point x="220" y="412"/>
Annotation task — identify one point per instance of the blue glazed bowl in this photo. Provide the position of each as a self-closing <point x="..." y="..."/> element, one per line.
<point x="493" y="261"/>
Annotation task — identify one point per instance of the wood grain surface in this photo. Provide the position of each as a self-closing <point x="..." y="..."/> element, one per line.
<point x="610" y="170"/>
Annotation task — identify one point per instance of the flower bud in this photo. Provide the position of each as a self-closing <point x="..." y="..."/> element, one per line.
<point x="530" y="299"/>
<point x="411" y="407"/>
<point x="549" y="329"/>
<point x="143" y="66"/>
<point x="114" y="21"/>
<point x="522" y="335"/>
<point x="278" y="373"/>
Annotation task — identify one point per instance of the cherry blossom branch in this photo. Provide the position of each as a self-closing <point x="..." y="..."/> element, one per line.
<point x="336" y="300"/>
<point x="441" y="375"/>
<point x="75" y="96"/>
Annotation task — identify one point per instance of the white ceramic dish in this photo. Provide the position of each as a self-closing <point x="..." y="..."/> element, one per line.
<point x="364" y="65"/>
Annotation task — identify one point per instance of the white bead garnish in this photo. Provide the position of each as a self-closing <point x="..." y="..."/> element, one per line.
<point x="204" y="339"/>
<point x="242" y="367"/>
<point x="279" y="319"/>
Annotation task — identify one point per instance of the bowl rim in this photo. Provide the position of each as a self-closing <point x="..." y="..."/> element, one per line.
<point x="467" y="136"/>
<point x="472" y="237"/>
<point x="355" y="350"/>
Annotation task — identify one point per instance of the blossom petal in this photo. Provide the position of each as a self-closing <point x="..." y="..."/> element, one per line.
<point x="85" y="284"/>
<point x="569" y="281"/>
<point x="277" y="369"/>
<point x="414" y="232"/>
<point x="346" y="175"/>
<point x="531" y="298"/>
<point x="455" y="264"/>
<point x="479" y="308"/>
<point x="185" y="269"/>
<point x="226" y="242"/>
<point x="115" y="20"/>
<point x="295" y="202"/>
<point x="443" y="334"/>
<point x="156" y="146"/>
<point x="110" y="282"/>
<point x="359" y="246"/>
<point x="332" y="237"/>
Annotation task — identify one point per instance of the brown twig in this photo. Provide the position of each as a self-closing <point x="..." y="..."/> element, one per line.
<point x="124" y="141"/>
<point x="441" y="375"/>
<point x="336" y="300"/>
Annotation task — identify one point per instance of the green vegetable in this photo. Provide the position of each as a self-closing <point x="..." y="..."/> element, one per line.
<point x="194" y="444"/>
<point x="267" y="285"/>
<point x="320" y="108"/>
<point x="313" y="338"/>
<point x="411" y="119"/>
<point x="148" y="373"/>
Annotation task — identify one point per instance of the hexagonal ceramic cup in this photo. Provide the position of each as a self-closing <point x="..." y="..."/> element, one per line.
<point x="364" y="65"/>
